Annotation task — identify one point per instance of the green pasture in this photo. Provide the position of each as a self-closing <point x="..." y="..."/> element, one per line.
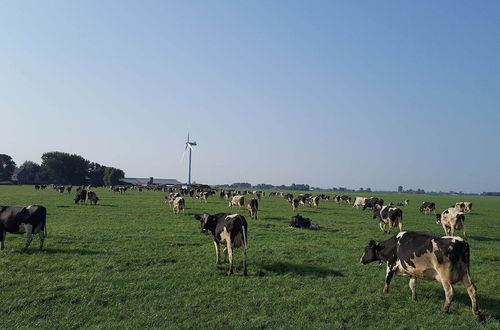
<point x="129" y="262"/>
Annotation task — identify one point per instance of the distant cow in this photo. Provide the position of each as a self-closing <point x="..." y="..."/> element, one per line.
<point x="343" y="198"/>
<point x="298" y="221"/>
<point x="23" y="219"/>
<point x="359" y="201"/>
<point x="288" y="197"/>
<point x="81" y="196"/>
<point x="295" y="203"/>
<point x="314" y="201"/>
<point x="253" y="207"/>
<point x="427" y="207"/>
<point x="388" y="217"/>
<point x="373" y="202"/>
<point x="425" y="256"/>
<point x="463" y="206"/>
<point x="237" y="201"/>
<point x="451" y="219"/>
<point x="407" y="202"/>
<point x="179" y="205"/>
<point x="92" y="197"/>
<point x="227" y="229"/>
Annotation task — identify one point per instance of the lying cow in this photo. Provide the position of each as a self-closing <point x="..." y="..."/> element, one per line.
<point x="425" y="256"/>
<point x="237" y="201"/>
<point x="179" y="205"/>
<point x="451" y="219"/>
<point x="253" y="207"/>
<point x="227" y="229"/>
<point x="23" y="219"/>
<point x="373" y="202"/>
<point x="427" y="207"/>
<point x="388" y="217"/>
<point x="359" y="201"/>
<point x="298" y="221"/>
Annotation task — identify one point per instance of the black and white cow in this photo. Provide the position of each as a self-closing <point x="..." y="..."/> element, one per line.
<point x="92" y="197"/>
<point x="388" y="217"/>
<point x="427" y="207"/>
<point x="451" y="219"/>
<point x="27" y="220"/>
<point x="227" y="229"/>
<point x="373" y="202"/>
<point x="253" y="207"/>
<point x="298" y="221"/>
<point x="295" y="203"/>
<point x="428" y="257"/>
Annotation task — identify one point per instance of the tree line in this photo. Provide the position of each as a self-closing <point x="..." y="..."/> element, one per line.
<point x="61" y="168"/>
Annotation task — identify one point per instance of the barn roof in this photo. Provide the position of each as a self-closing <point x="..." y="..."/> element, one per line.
<point x="144" y="181"/>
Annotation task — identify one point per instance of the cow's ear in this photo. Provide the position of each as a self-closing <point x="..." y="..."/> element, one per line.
<point x="197" y="217"/>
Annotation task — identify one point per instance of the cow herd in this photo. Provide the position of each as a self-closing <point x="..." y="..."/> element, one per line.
<point x="417" y="255"/>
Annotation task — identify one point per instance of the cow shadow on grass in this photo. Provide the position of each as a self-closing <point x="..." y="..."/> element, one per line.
<point x="283" y="268"/>
<point x="484" y="239"/>
<point x="106" y="205"/>
<point x="80" y="252"/>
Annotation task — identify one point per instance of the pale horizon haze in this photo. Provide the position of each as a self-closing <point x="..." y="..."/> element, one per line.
<point x="326" y="93"/>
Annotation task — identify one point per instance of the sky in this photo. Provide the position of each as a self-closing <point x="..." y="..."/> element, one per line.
<point x="328" y="93"/>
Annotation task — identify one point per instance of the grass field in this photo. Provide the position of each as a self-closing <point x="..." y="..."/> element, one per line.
<point x="130" y="262"/>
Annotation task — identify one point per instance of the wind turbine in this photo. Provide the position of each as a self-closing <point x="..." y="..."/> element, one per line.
<point x="189" y="144"/>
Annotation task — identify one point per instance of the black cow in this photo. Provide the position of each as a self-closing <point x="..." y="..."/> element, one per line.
<point x="23" y="219"/>
<point x="425" y="256"/>
<point x="372" y="202"/>
<point x="81" y="196"/>
<point x="92" y="197"/>
<point x="227" y="229"/>
<point x="298" y="221"/>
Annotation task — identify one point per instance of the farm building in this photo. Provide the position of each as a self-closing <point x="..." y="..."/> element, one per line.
<point x="151" y="180"/>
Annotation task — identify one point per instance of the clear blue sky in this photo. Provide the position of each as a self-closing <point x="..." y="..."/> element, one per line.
<point x="353" y="93"/>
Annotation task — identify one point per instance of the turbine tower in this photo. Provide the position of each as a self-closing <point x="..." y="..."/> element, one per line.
<point x="189" y="144"/>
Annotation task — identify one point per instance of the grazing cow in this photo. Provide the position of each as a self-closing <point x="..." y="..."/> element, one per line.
<point x="295" y="203"/>
<point x="227" y="229"/>
<point x="314" y="201"/>
<point x="237" y="201"/>
<point x="179" y="205"/>
<point x="253" y="207"/>
<point x="81" y="196"/>
<point x="92" y="197"/>
<point x="298" y="221"/>
<point x="60" y="189"/>
<point x="288" y="197"/>
<point x="407" y="202"/>
<point x="23" y="219"/>
<point x="373" y="202"/>
<point x="463" y="206"/>
<point x="68" y="189"/>
<point x="344" y="198"/>
<point x="451" y="219"/>
<point x="388" y="217"/>
<point x="425" y="256"/>
<point x="427" y="207"/>
<point x="359" y="201"/>
<point x="203" y="196"/>
<point x="37" y="187"/>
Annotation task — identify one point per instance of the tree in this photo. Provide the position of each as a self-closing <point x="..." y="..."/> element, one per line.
<point x="32" y="171"/>
<point x="63" y="168"/>
<point x="112" y="176"/>
<point x="96" y="174"/>
<point x="7" y="167"/>
<point x="400" y="189"/>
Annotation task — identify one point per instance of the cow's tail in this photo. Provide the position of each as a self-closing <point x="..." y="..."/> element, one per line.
<point x="244" y="236"/>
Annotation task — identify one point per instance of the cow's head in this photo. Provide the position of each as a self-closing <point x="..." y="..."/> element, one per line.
<point x="371" y="253"/>
<point x="206" y="220"/>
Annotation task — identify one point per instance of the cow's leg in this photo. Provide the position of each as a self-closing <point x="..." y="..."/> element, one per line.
<point x="2" y="240"/>
<point x="388" y="278"/>
<point x="472" y="291"/>
<point x="217" y="253"/>
<point x="413" y="289"/>
<point x="29" y="235"/>
<point x="381" y="225"/>
<point x="229" y="248"/>
<point x="448" y="291"/>
<point x="41" y="235"/>
<point x="465" y="236"/>
<point x="400" y="224"/>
